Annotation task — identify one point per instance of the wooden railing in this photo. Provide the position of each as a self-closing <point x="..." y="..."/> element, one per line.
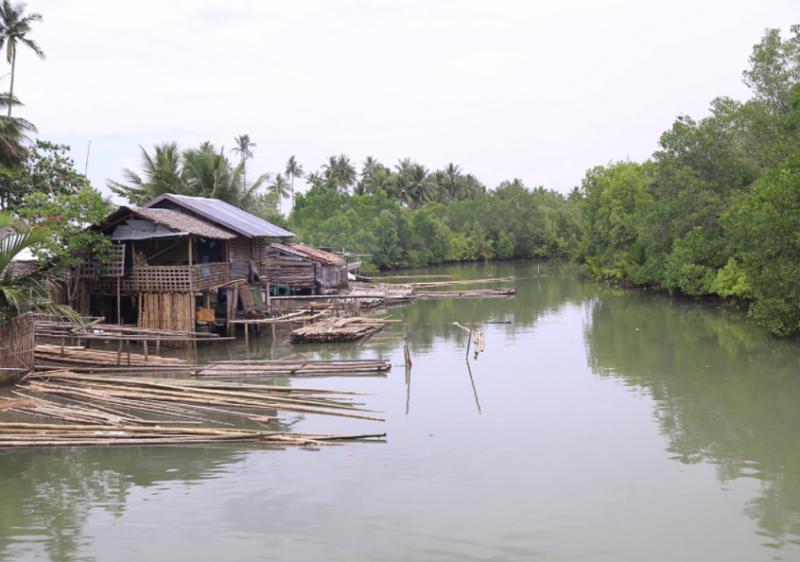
<point x="178" y="278"/>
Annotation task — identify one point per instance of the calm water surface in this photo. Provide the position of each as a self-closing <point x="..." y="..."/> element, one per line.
<point x="597" y="425"/>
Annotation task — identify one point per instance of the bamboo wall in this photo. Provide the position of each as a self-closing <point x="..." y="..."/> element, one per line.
<point x="167" y="311"/>
<point x="16" y="347"/>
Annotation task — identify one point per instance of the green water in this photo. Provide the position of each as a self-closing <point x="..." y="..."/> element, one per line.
<point x="597" y="425"/>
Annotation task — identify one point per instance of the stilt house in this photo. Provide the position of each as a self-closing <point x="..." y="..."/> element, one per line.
<point x="299" y="267"/>
<point x="173" y="261"/>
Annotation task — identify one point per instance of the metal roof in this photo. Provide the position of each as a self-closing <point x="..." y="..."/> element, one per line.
<point x="310" y="253"/>
<point x="223" y="214"/>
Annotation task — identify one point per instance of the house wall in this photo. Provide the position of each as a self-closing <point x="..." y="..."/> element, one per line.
<point x="240" y="253"/>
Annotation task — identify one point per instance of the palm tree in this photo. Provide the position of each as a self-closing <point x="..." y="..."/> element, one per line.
<point x="244" y="148"/>
<point x="280" y="187"/>
<point x="208" y="173"/>
<point x="453" y="182"/>
<point x="419" y="185"/>
<point x="161" y="173"/>
<point x="25" y="293"/>
<point x="293" y="169"/>
<point x="12" y="135"/>
<point x="14" y="26"/>
<point x="316" y="180"/>
<point x="339" y="172"/>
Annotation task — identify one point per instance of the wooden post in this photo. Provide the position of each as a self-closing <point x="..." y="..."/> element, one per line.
<point x="191" y="271"/>
<point x="119" y="300"/>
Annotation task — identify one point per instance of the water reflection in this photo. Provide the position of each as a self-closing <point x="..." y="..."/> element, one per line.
<point x="726" y="393"/>
<point x="519" y="441"/>
<point x="48" y="494"/>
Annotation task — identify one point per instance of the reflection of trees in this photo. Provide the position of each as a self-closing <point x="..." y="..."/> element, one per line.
<point x="47" y="495"/>
<point x="726" y="393"/>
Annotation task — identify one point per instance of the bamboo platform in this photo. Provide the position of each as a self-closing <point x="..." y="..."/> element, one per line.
<point x="337" y="330"/>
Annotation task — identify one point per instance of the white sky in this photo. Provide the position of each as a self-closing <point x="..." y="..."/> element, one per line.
<point x="540" y="91"/>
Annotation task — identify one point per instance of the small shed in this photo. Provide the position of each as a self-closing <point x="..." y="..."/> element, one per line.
<point x="301" y="267"/>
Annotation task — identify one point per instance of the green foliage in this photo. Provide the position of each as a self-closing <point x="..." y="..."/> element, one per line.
<point x="200" y="172"/>
<point x="65" y="217"/>
<point x="22" y="293"/>
<point x="765" y="225"/>
<point x="395" y="230"/>
<point x="47" y="168"/>
<point x="717" y="210"/>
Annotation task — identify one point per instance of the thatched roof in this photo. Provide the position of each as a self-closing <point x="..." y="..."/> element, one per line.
<point x="143" y="224"/>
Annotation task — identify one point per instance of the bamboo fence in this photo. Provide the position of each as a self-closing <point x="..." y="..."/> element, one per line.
<point x="16" y="348"/>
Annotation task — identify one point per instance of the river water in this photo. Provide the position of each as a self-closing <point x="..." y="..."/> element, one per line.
<point x="597" y="425"/>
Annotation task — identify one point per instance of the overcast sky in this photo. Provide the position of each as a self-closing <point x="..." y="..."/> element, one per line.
<point x="535" y="90"/>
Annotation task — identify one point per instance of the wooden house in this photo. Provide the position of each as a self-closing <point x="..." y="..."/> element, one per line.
<point x="303" y="268"/>
<point x="172" y="260"/>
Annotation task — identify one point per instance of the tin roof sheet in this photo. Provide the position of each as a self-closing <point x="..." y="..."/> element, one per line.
<point x="222" y="214"/>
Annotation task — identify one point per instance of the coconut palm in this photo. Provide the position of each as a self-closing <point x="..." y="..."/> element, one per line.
<point x="23" y="293"/>
<point x="244" y="147"/>
<point x="14" y="27"/>
<point x="293" y="170"/>
<point x="339" y="172"/>
<point x="316" y="180"/>
<point x="453" y="181"/>
<point x="208" y="173"/>
<point x="161" y="173"/>
<point x="280" y="187"/>
<point x="12" y="135"/>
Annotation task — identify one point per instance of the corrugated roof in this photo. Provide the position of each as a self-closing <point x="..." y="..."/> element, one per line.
<point x="311" y="253"/>
<point x="223" y="214"/>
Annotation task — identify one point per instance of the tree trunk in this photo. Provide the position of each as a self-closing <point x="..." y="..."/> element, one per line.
<point x="11" y="87"/>
<point x="292" y="207"/>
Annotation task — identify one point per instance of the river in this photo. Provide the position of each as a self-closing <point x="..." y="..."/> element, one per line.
<point x="598" y="425"/>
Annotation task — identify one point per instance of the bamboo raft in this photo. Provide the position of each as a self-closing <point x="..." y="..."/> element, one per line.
<point x="483" y="293"/>
<point x="56" y="356"/>
<point x="62" y="435"/>
<point x="361" y="367"/>
<point x="338" y="330"/>
<point x="423" y="284"/>
<point x="90" y="399"/>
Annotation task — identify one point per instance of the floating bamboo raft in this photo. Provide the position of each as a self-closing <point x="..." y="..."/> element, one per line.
<point x="91" y="399"/>
<point x="364" y="367"/>
<point x="337" y="330"/>
<point x="483" y="293"/>
<point x="56" y="356"/>
<point x="55" y="435"/>
<point x="424" y="284"/>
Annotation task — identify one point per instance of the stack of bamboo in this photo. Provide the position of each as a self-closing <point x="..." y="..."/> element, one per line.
<point x="56" y="356"/>
<point x="70" y="397"/>
<point x="337" y="330"/>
